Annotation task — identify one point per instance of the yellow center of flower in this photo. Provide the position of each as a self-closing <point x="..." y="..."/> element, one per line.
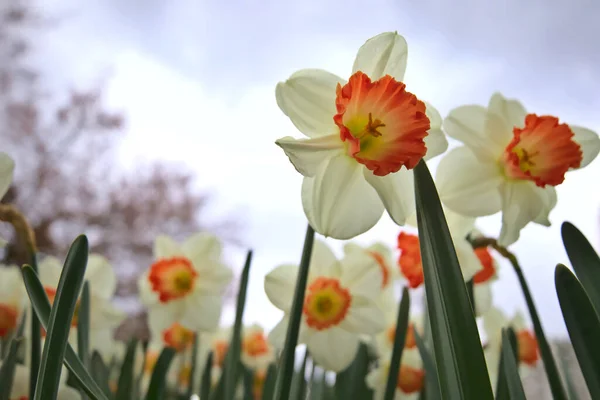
<point x="326" y="303"/>
<point x="255" y="344"/>
<point x="382" y="124"/>
<point x="542" y="152"/>
<point x="172" y="278"/>
<point x="528" y="347"/>
<point x="8" y="319"/>
<point x="178" y="337"/>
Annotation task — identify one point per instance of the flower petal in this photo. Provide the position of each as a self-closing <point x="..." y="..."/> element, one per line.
<point x="102" y="278"/>
<point x="7" y="168"/>
<point x="49" y="271"/>
<point x="338" y="202"/>
<point x="483" y="297"/>
<point x="147" y="296"/>
<point x="468" y="260"/>
<point x="202" y="313"/>
<point x="467" y="185"/>
<point x="512" y="111"/>
<point x="364" y="317"/>
<point x="162" y="315"/>
<point x="587" y="139"/>
<point x="280" y="284"/>
<point x="165" y="247"/>
<point x="322" y="260"/>
<point x="361" y="274"/>
<point x="435" y="141"/>
<point x="307" y="154"/>
<point x="334" y="348"/>
<point x="213" y="277"/>
<point x="458" y="224"/>
<point x="201" y="246"/>
<point x="396" y="191"/>
<point x="384" y="54"/>
<point x="308" y="99"/>
<point x="277" y="335"/>
<point x="523" y="202"/>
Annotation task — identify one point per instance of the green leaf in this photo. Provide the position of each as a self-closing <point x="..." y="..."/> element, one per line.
<point x="460" y="362"/>
<point x="232" y="361"/>
<point x="126" y="385"/>
<point x="83" y="326"/>
<point x="584" y="259"/>
<point x="206" y="378"/>
<point x="351" y="382"/>
<point x="36" y="340"/>
<point x="192" y="383"/>
<point x="158" y="381"/>
<point x="59" y="323"/>
<point x="583" y="326"/>
<point x="100" y="373"/>
<point x="248" y="383"/>
<point x="511" y="369"/>
<point x="270" y="382"/>
<point x="286" y="369"/>
<point x="9" y="363"/>
<point x="432" y="384"/>
<point x="399" y="340"/>
<point x="299" y="381"/>
<point x="41" y="307"/>
<point x="502" y="389"/>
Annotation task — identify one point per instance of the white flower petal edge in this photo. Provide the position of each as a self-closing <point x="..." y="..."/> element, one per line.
<point x="483" y="298"/>
<point x="165" y="247"/>
<point x="7" y="168"/>
<point x="511" y="110"/>
<point x="334" y="348"/>
<point x="435" y="141"/>
<point x="588" y="141"/>
<point x="396" y="191"/>
<point x="308" y="99"/>
<point x="280" y="284"/>
<point x="384" y="54"/>
<point x="338" y="190"/>
<point x="307" y="154"/>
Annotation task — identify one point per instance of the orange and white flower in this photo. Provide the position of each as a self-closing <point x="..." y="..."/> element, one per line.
<point x="482" y="281"/>
<point x="361" y="132"/>
<point x="186" y="283"/>
<point x="411" y="377"/>
<point x="385" y="339"/>
<point x="382" y="255"/>
<point x="7" y="168"/>
<point x="20" y="385"/>
<point x="511" y="162"/>
<point x="13" y="299"/>
<point x="528" y="352"/>
<point x="257" y="352"/>
<point x="339" y="307"/>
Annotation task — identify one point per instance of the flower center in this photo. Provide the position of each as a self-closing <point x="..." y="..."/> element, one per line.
<point x="382" y="124"/>
<point x="178" y="337"/>
<point x="8" y="319"/>
<point x="409" y="341"/>
<point x="172" y="278"/>
<point x="409" y="261"/>
<point x="528" y="347"/>
<point x="220" y="348"/>
<point x="326" y="303"/>
<point x="410" y="380"/>
<point x="542" y="152"/>
<point x="255" y="344"/>
<point x="487" y="262"/>
<point x="383" y="266"/>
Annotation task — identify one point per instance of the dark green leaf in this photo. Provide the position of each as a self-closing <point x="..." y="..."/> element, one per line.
<point x="502" y="389"/>
<point x="351" y="382"/>
<point x="270" y="381"/>
<point x="584" y="259"/>
<point x="59" y="323"/>
<point x="35" y="340"/>
<point x="432" y="384"/>
<point x="399" y="339"/>
<point x="583" y="326"/>
<point x="286" y="369"/>
<point x="100" y="373"/>
<point x="206" y="378"/>
<point x="299" y="381"/>
<point x="9" y="363"/>
<point x="83" y="326"/>
<point x="248" y="383"/>
<point x="460" y="362"/>
<point x="126" y="385"/>
<point x="511" y="369"/>
<point x="158" y="381"/>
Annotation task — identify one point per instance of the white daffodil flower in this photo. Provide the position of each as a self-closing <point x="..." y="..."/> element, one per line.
<point x="511" y="161"/>
<point x="361" y="132"/>
<point x="256" y="352"/>
<point x="411" y="377"/>
<point x="13" y="299"/>
<point x="382" y="255"/>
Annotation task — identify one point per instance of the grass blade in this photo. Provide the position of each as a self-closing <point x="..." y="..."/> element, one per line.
<point x="511" y="369"/>
<point x="583" y="326"/>
<point x="432" y="383"/>
<point x="350" y="383"/>
<point x="100" y="373"/>
<point x="286" y="370"/>
<point x="460" y="361"/>
<point x="206" y="378"/>
<point x="126" y="385"/>
<point x="36" y="340"/>
<point x="9" y="362"/>
<point x="158" y="381"/>
<point x="61" y="315"/>
<point x="83" y="326"/>
<point x="270" y="382"/>
<point x="399" y="340"/>
<point x="502" y="389"/>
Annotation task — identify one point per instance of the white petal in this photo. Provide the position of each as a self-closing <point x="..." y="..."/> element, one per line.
<point x="459" y="224"/>
<point x="104" y="314"/>
<point x="384" y="54"/>
<point x="485" y="133"/>
<point x="162" y="315"/>
<point x="361" y="274"/>
<point x="280" y="285"/>
<point x="322" y="260"/>
<point x="522" y="202"/>
<point x="333" y="349"/>
<point x="467" y="185"/>
<point x="308" y="99"/>
<point x="278" y="333"/>
<point x="364" y="316"/>
<point x="202" y="313"/>
<point x="469" y="262"/>
<point x="587" y="139"/>
<point x="338" y="201"/>
<point x="435" y="141"/>
<point x="165" y="247"/>
<point x="213" y="277"/>
<point x="549" y="201"/>
<point x="512" y="111"/>
<point x="49" y="270"/>
<point x="307" y="154"/>
<point x="493" y="322"/>
<point x="518" y="322"/>
<point x="101" y="276"/>
<point x="396" y="191"/>
<point x="147" y="296"/>
<point x="7" y="168"/>
<point x="201" y="246"/>
<point x="482" y="292"/>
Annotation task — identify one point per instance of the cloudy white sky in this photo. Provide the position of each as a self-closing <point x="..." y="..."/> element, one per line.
<point x="196" y="80"/>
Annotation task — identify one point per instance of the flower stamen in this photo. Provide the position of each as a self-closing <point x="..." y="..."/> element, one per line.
<point x="326" y="303"/>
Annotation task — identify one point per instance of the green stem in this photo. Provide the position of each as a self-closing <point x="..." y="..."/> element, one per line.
<point x="36" y="341"/>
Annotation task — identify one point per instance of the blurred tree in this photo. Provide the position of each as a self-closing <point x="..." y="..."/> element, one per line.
<point x="67" y="179"/>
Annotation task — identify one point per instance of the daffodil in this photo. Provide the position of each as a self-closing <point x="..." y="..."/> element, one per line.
<point x="410" y="381"/>
<point x="483" y="280"/>
<point x="257" y="352"/>
<point x="511" y="161"/>
<point x="20" y="385"/>
<point x="382" y="255"/>
<point x="13" y="299"/>
<point x="385" y="339"/>
<point x="186" y="283"/>
<point x="7" y="168"/>
<point x="339" y="307"/>
<point x="361" y="133"/>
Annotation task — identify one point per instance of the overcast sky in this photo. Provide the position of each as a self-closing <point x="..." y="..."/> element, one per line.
<point x="196" y="80"/>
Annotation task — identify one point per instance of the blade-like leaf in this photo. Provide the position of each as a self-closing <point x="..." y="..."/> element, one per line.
<point x="431" y="376"/>
<point x="232" y="361"/>
<point x="399" y="340"/>
<point x="461" y="365"/>
<point x="158" y="381"/>
<point x="7" y="370"/>
<point x="83" y="326"/>
<point x="61" y="315"/>
<point x="299" y="381"/>
<point x="192" y="381"/>
<point x="126" y="385"/>
<point x="206" y="378"/>
<point x="286" y="368"/>
<point x="41" y="306"/>
<point x="35" y="340"/>
<point x="100" y="373"/>
<point x="351" y="383"/>
<point x="511" y="369"/>
<point x="502" y="389"/>
<point x="583" y="326"/>
<point x="584" y="259"/>
<point x="270" y="381"/>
